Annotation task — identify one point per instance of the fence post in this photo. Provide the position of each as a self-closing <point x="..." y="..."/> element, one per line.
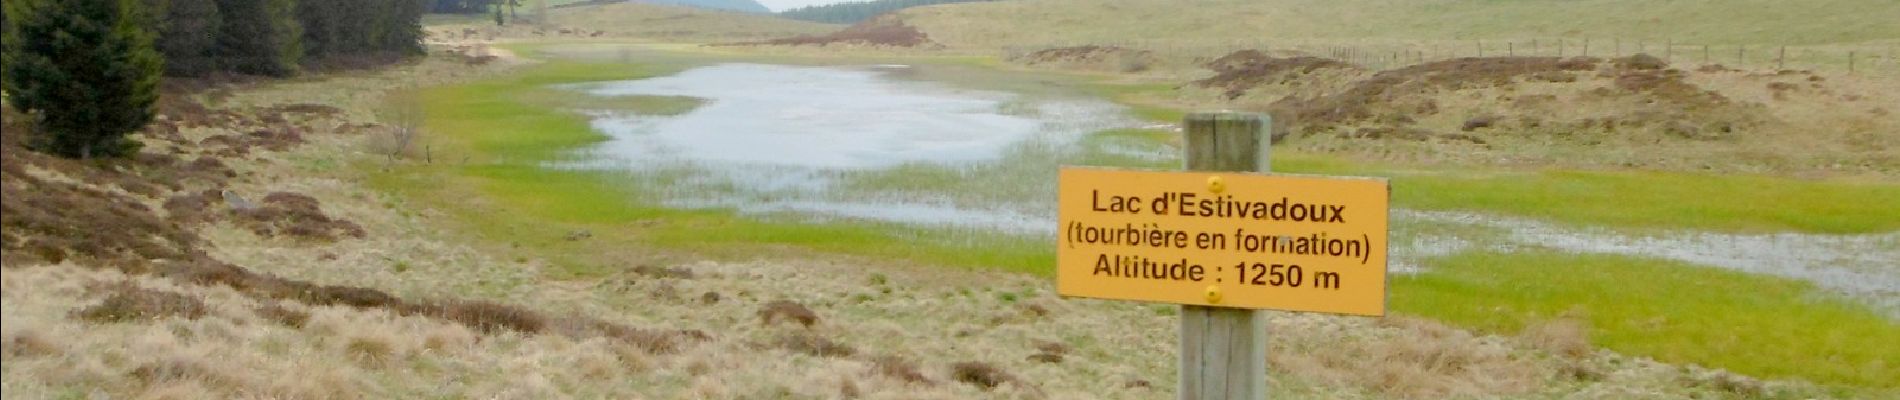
<point x="1223" y="351"/>
<point x="1741" y="55"/>
<point x="1781" y="59"/>
<point x="1586" y="47"/>
<point x="1560" y="48"/>
<point x="1705" y="54"/>
<point x="1669" y="51"/>
<point x="1510" y="49"/>
<point x="1480" y="43"/>
<point x="1850" y="62"/>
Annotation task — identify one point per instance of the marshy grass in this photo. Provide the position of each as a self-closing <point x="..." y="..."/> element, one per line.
<point x="1675" y="312"/>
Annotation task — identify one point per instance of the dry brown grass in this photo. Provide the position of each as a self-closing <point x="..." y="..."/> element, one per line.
<point x="1568" y="337"/>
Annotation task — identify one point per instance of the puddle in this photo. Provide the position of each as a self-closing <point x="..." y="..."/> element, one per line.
<point x="774" y="139"/>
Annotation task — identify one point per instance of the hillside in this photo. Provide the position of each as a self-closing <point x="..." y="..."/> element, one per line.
<point x="728" y="5"/>
<point x="1716" y="22"/>
<point x="639" y="20"/>
<point x="857" y="11"/>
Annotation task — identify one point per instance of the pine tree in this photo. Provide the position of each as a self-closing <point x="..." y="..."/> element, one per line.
<point x="187" y="35"/>
<point x="86" y="70"/>
<point x="260" y="36"/>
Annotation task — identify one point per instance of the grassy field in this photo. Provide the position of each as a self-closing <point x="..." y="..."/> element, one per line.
<point x="1678" y="313"/>
<point x="1623" y="298"/>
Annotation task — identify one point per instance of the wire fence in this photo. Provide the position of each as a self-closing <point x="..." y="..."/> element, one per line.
<point x="1845" y="59"/>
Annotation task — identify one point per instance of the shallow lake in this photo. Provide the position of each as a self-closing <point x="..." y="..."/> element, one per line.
<point x="858" y="143"/>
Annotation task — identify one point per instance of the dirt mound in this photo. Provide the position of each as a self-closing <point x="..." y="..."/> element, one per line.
<point x="1244" y="70"/>
<point x="1099" y="57"/>
<point x="888" y="30"/>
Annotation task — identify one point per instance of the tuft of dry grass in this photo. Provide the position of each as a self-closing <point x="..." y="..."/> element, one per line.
<point x="1567" y="337"/>
<point x="370" y="350"/>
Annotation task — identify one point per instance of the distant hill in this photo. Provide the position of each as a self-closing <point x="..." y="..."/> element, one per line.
<point x="728" y="5"/>
<point x="1718" y="22"/>
<point x="680" y="23"/>
<point x="858" y="11"/>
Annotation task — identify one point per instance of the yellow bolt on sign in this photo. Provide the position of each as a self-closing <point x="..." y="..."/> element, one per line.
<point x="1245" y="240"/>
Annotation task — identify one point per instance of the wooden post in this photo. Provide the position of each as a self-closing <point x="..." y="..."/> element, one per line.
<point x="1669" y="51"/>
<point x="1480" y="43"/>
<point x="1586" y="47"/>
<point x="1850" y="62"/>
<point x="1705" y="54"/>
<point x="1560" y="48"/>
<point x="1224" y="350"/>
<point x="1510" y="49"/>
<point x="1781" y="59"/>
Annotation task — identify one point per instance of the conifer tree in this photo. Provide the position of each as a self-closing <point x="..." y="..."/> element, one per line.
<point x="84" y="69"/>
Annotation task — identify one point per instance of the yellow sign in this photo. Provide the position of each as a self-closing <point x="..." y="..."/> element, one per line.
<point x="1283" y="242"/>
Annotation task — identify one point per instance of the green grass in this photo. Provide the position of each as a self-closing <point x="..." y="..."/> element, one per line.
<point x="1678" y="313"/>
<point x="509" y="125"/>
<point x="1733" y="203"/>
<point x="1675" y="312"/>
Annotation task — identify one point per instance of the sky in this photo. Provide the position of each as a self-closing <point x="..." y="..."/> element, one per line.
<point x="782" y="5"/>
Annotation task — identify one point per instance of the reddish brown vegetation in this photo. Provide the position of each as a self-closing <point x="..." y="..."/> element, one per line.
<point x="982" y="375"/>
<point x="49" y="220"/>
<point x="283" y="315"/>
<point x="132" y="303"/>
<point x="815" y="346"/>
<point x="1124" y="59"/>
<point x="484" y="316"/>
<point x="281" y="213"/>
<point x="888" y="30"/>
<point x="1243" y="70"/>
<point x="664" y="272"/>
<point x="899" y="368"/>
<point x="787" y="311"/>
<point x="53" y="220"/>
<point x="1388" y="104"/>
